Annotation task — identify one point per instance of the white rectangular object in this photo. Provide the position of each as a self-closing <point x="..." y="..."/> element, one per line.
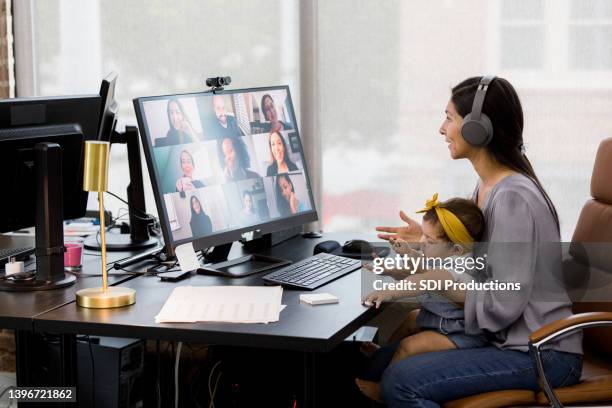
<point x="230" y="304"/>
<point x="318" y="298"/>
<point x="187" y="258"/>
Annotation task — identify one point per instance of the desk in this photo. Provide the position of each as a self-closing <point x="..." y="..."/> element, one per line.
<point x="18" y="309"/>
<point x="303" y="328"/>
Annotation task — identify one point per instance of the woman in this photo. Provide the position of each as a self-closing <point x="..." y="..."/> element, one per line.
<point x="516" y="210"/>
<point x="286" y="200"/>
<point x="234" y="159"/>
<point x="281" y="163"/>
<point x="180" y="131"/>
<point x="187" y="182"/>
<point x="200" y="222"/>
<point x="248" y="214"/>
<point x="270" y="114"/>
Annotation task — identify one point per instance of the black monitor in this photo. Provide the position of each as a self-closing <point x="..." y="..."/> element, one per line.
<point x="225" y="166"/>
<point x="41" y="149"/>
<point x="138" y="235"/>
<point x="109" y="108"/>
<point x="24" y="122"/>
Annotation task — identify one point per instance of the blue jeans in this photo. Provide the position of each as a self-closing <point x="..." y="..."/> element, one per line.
<point x="428" y="380"/>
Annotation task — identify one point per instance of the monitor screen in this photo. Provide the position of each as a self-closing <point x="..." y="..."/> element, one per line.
<point x="224" y="164"/>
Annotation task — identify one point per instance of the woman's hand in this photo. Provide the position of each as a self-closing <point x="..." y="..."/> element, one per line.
<point x="188" y="186"/>
<point x="186" y="127"/>
<point x="276" y="127"/>
<point x="179" y="185"/>
<point x="377" y="297"/>
<point x="410" y="233"/>
<point x="293" y="203"/>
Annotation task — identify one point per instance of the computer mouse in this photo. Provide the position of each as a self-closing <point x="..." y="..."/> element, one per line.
<point x="326" y="246"/>
<point x="357" y="246"/>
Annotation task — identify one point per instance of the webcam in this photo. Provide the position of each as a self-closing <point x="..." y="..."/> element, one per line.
<point x="218" y="82"/>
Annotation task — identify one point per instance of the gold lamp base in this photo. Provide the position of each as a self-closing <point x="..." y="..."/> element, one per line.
<point x="97" y="298"/>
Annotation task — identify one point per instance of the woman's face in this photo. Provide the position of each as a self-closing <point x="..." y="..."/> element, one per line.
<point x="276" y="145"/>
<point x="285" y="188"/>
<point x="195" y="204"/>
<point x="186" y="164"/>
<point x="248" y="202"/>
<point x="451" y="130"/>
<point x="269" y="110"/>
<point x="176" y="116"/>
<point x="229" y="153"/>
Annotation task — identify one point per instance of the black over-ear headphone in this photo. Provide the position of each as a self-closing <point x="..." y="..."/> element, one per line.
<point x="477" y="128"/>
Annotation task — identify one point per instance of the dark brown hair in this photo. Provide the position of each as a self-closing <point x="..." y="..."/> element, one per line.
<point x="468" y="213"/>
<point x="503" y="106"/>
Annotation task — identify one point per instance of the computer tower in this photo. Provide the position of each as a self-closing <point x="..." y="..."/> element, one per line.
<point x="118" y="365"/>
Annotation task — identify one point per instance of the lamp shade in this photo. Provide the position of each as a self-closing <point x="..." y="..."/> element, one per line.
<point x="95" y="169"/>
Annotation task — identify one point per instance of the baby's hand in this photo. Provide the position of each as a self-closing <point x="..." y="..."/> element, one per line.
<point x="403" y="247"/>
<point x="376" y="298"/>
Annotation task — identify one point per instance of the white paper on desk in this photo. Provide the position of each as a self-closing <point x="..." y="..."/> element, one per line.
<point x="231" y="304"/>
<point x="187" y="258"/>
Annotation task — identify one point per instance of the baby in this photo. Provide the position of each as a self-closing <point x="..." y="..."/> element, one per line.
<point x="450" y="229"/>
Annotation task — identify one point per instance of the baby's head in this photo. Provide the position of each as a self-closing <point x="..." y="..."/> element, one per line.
<point x="461" y="225"/>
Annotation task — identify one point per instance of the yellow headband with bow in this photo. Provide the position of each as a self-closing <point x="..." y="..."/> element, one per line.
<point x="452" y="225"/>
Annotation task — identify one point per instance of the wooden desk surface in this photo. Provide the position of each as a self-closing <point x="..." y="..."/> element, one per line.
<point x="301" y="327"/>
<point x="18" y="308"/>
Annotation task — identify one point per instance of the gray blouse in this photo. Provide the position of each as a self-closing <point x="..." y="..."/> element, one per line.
<point x="521" y="241"/>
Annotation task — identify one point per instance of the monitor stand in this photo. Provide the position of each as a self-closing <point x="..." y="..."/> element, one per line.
<point x="238" y="267"/>
<point x="138" y="238"/>
<point x="49" y="226"/>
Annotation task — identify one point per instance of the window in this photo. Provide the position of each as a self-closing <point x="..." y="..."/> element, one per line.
<point x="157" y="47"/>
<point x="386" y="79"/>
<point x="383" y="76"/>
<point x="522" y="31"/>
<point x="590" y="35"/>
<point x="552" y="43"/>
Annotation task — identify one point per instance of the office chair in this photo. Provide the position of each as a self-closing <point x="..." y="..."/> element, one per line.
<point x="588" y="262"/>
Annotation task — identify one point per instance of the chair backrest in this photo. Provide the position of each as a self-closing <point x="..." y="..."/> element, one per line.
<point x="592" y="242"/>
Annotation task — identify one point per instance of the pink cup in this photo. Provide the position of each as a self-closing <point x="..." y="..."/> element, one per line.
<point x="73" y="255"/>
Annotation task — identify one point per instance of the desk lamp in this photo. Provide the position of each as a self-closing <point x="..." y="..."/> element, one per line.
<point x="95" y="178"/>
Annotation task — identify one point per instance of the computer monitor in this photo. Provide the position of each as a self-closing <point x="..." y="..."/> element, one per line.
<point x="41" y="149"/>
<point x="138" y="235"/>
<point x="24" y="122"/>
<point x="225" y="165"/>
<point x="110" y="107"/>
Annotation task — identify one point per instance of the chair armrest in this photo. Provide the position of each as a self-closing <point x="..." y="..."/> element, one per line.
<point x="575" y="321"/>
<point x="556" y="329"/>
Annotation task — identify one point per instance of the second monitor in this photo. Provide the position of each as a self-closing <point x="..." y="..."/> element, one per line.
<point x="225" y="166"/>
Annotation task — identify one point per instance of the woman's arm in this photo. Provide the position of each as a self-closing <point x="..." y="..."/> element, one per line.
<point x="411" y="232"/>
<point x="511" y="257"/>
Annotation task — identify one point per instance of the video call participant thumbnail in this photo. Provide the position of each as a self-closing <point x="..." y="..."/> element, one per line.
<point x="279" y="156"/>
<point x="234" y="159"/>
<point x="287" y="201"/>
<point x="200" y="222"/>
<point x="187" y="181"/>
<point x="248" y="215"/>
<point x="181" y="131"/>
<point x="225" y="125"/>
<point x="271" y="115"/>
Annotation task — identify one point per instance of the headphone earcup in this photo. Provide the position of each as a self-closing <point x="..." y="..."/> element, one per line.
<point x="478" y="133"/>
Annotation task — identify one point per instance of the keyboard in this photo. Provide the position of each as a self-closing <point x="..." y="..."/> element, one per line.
<point x="19" y="253"/>
<point x="313" y="272"/>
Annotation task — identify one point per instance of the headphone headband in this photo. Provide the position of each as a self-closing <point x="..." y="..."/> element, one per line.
<point x="479" y="98"/>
